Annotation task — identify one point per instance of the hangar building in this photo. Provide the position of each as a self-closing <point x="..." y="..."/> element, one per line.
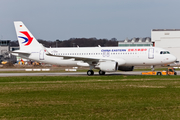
<point x="168" y="39"/>
<point x="135" y="42"/>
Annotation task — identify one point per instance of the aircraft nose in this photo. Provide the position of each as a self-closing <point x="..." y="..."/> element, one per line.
<point x="173" y="58"/>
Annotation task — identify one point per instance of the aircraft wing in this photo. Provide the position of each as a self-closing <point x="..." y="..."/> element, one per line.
<point x="88" y="59"/>
<point x="74" y="57"/>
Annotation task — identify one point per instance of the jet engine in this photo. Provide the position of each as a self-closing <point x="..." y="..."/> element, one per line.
<point x="126" y="68"/>
<point x="107" y="66"/>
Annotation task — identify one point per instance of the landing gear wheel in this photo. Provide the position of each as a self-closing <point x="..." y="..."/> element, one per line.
<point x="101" y="72"/>
<point x="90" y="72"/>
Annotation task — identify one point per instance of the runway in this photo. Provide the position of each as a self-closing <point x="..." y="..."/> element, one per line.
<point x="7" y="72"/>
<point x="70" y="73"/>
<point x="64" y="74"/>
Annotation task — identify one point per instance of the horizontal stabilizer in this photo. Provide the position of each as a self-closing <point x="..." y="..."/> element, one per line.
<point x="21" y="52"/>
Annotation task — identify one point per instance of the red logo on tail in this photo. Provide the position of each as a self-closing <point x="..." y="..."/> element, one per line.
<point x="28" y="40"/>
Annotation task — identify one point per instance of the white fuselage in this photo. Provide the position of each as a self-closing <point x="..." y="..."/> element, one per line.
<point x="125" y="56"/>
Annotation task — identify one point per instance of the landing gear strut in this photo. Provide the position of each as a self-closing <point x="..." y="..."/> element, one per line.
<point x="152" y="67"/>
<point x="101" y="72"/>
<point x="90" y="72"/>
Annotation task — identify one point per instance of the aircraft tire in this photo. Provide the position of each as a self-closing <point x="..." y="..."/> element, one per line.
<point x="101" y="72"/>
<point x="90" y="72"/>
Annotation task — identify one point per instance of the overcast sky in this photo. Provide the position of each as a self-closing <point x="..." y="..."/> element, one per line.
<point x="65" y="19"/>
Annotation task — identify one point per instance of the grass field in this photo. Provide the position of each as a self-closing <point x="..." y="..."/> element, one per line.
<point x="94" y="97"/>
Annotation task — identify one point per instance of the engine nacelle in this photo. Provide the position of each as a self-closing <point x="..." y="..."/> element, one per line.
<point x="107" y="66"/>
<point x="126" y="68"/>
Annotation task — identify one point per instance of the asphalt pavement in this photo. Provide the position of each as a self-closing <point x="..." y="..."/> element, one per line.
<point x="70" y="73"/>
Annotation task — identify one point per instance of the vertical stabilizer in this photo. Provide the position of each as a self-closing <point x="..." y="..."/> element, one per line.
<point x="27" y="42"/>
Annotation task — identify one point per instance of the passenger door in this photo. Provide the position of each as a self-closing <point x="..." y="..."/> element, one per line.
<point x="41" y="55"/>
<point x="151" y="53"/>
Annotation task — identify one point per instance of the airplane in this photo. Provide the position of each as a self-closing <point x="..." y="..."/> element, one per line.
<point x="106" y="59"/>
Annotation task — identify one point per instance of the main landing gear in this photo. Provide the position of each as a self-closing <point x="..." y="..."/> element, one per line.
<point x="91" y="72"/>
<point x="101" y="72"/>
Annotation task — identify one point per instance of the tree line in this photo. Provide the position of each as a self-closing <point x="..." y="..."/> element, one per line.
<point x="74" y="42"/>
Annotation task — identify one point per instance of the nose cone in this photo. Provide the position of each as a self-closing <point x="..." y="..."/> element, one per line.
<point x="172" y="59"/>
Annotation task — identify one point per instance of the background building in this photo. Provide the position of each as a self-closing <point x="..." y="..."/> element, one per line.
<point x="5" y="51"/>
<point x="168" y="39"/>
<point x="135" y="42"/>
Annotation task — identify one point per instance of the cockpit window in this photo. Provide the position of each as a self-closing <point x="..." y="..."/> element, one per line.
<point x="164" y="52"/>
